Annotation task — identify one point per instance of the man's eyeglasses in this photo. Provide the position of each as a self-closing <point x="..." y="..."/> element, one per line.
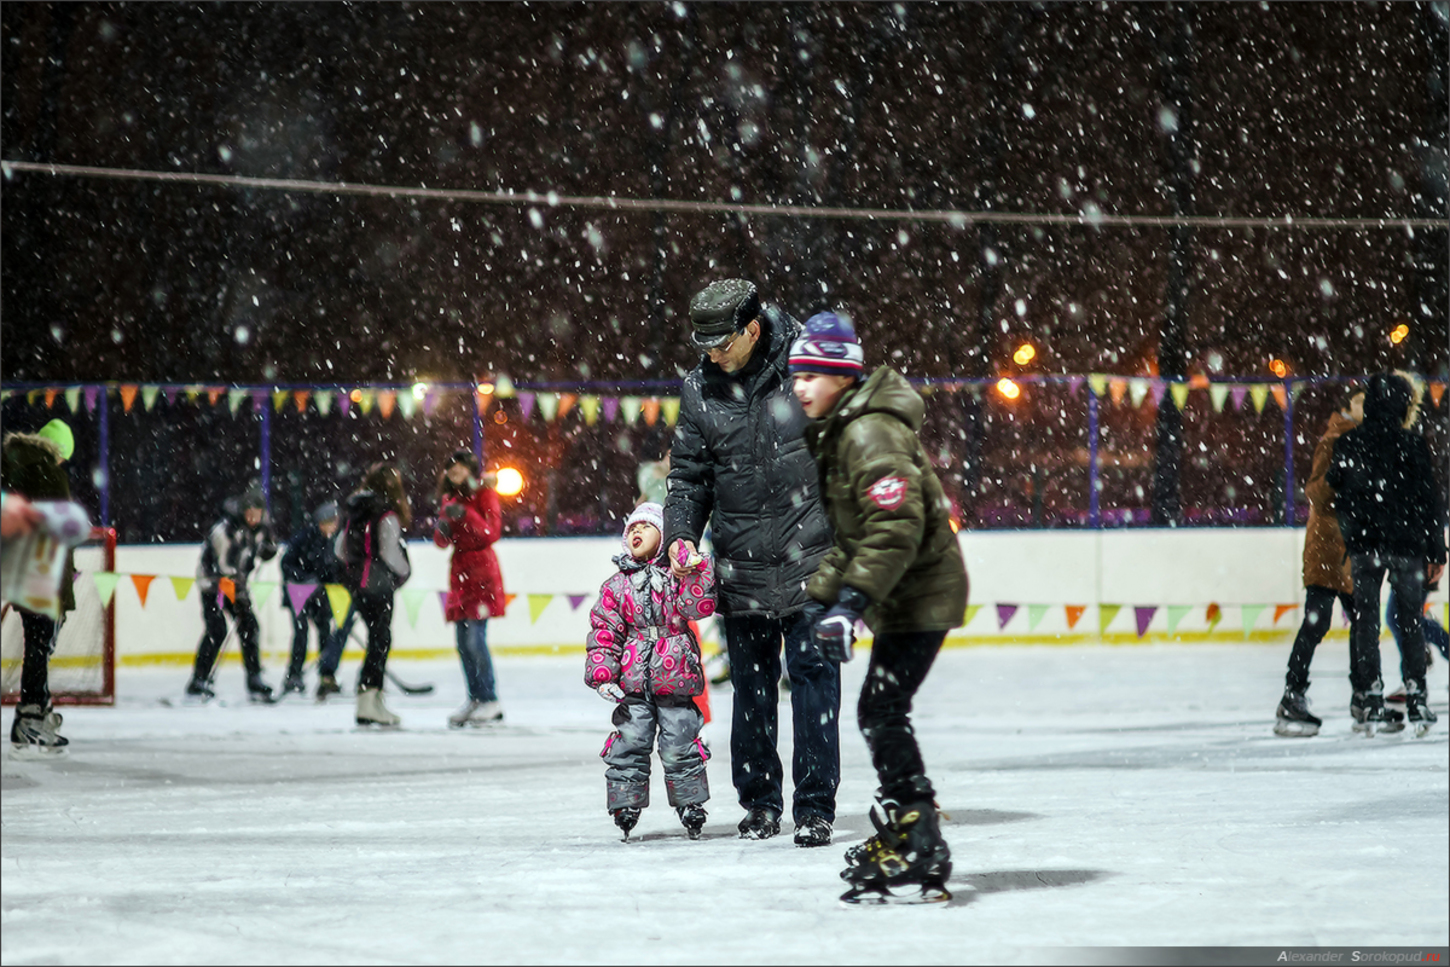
<point x="724" y="347"/>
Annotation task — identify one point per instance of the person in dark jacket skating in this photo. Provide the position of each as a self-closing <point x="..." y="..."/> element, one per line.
<point x="895" y="565"/>
<point x="309" y="560"/>
<point x="738" y="462"/>
<point x="33" y="466"/>
<point x="1392" y="516"/>
<point x="236" y="544"/>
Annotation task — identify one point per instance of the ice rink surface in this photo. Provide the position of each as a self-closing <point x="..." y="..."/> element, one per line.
<point x="1098" y="796"/>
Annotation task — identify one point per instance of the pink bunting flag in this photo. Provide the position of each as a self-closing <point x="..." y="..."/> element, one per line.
<point x="1004" y="614"/>
<point x="611" y="408"/>
<point x="92" y="392"/>
<point x="575" y="600"/>
<point x="344" y="401"/>
<point x="1156" y="389"/>
<point x="1144" y="617"/>
<point x="443" y="601"/>
<point x="430" y="402"/>
<point x="298" y="595"/>
<point x="1237" y="394"/>
<point x="171" y="392"/>
<point x="526" y="405"/>
<point x="1074" y="385"/>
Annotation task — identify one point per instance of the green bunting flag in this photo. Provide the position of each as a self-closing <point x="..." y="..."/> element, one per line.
<point x="1179" y="392"/>
<point x="537" y="604"/>
<point x="412" y="603"/>
<point x="1106" y="614"/>
<point x="1218" y="394"/>
<point x="1098" y="383"/>
<point x="972" y="610"/>
<point x="1251" y="614"/>
<point x="1176" y="613"/>
<point x="1035" y="613"/>
<point x="261" y="591"/>
<point x="182" y="586"/>
<point x="105" y="585"/>
<point x="339" y="599"/>
<point x="1259" y="393"/>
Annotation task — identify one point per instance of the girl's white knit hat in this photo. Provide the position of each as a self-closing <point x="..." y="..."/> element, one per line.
<point x="649" y="512"/>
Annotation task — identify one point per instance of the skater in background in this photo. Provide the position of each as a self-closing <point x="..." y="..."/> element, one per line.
<point x="235" y="545"/>
<point x="32" y="467"/>
<point x="738" y="465"/>
<point x="1326" y="575"/>
<point x="375" y="564"/>
<point x="309" y="560"/>
<point x="654" y="480"/>
<point x="896" y="565"/>
<point x="471" y="520"/>
<point x="1392" y="516"/>
<point x="643" y="657"/>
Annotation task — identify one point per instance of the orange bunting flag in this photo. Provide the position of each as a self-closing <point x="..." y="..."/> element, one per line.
<point x="143" y="585"/>
<point x="213" y="394"/>
<point x="1280" y="395"/>
<point x="508" y="599"/>
<point x="128" y="396"/>
<point x="1437" y="390"/>
<point x="387" y="399"/>
<point x="650" y="408"/>
<point x="566" y="403"/>
<point x="1281" y="609"/>
<point x="1074" y="612"/>
<point x="228" y="587"/>
<point x="1213" y="615"/>
<point x="1117" y="389"/>
<point x="50" y="395"/>
<point x="300" y="397"/>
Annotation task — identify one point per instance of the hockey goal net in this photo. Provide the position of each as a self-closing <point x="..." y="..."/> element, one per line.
<point x="83" y="667"/>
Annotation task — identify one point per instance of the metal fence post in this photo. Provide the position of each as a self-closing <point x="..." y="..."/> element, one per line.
<point x="1094" y="519"/>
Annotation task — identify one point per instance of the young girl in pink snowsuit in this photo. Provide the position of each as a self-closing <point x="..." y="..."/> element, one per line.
<point x="643" y="657"/>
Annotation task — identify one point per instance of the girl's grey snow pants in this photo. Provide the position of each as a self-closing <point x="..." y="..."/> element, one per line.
<point x="626" y="754"/>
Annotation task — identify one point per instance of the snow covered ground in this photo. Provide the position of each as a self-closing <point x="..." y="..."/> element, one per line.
<point x="1098" y="796"/>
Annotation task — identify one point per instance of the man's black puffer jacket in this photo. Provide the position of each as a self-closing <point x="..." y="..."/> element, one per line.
<point x="739" y="461"/>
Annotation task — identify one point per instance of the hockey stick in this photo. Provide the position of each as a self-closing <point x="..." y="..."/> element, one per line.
<point x="425" y="688"/>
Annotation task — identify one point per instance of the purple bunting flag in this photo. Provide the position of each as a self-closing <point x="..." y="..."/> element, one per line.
<point x="443" y="601"/>
<point x="1144" y="617"/>
<point x="611" y="408"/>
<point x="575" y="600"/>
<point x="298" y="595"/>
<point x="1004" y="614"/>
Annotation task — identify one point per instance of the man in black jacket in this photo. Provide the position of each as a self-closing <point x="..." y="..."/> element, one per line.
<point x="1392" y="514"/>
<point x="740" y="463"/>
<point x="309" y="561"/>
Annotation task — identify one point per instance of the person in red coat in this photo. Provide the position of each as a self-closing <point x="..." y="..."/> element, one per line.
<point x="471" y="520"/>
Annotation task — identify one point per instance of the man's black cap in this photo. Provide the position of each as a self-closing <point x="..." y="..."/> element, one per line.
<point x="720" y="310"/>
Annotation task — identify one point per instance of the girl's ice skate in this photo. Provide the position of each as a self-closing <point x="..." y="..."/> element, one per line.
<point x="625" y="818"/>
<point x="692" y="817"/>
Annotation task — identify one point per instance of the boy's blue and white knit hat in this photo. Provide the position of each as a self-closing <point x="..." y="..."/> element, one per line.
<point x="649" y="512"/>
<point x="827" y="345"/>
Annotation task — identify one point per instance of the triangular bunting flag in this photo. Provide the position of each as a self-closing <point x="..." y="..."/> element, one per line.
<point x="340" y="601"/>
<point x="1280" y="395"/>
<point x="1143" y="617"/>
<point x="526" y="405"/>
<point x="503" y="387"/>
<point x="971" y="613"/>
<point x="1138" y="390"/>
<point x="279" y="399"/>
<point x="443" y="602"/>
<point x="234" y="399"/>
<point x="1106" y="614"/>
<point x="365" y="400"/>
<point x="1098" y="383"/>
<point x="1251" y="614"/>
<point x="1237" y="394"/>
<point x="344" y="400"/>
<point x="611" y="408"/>
<point x="182" y="586"/>
<point x="105" y="585"/>
<point x="73" y="399"/>
<point x="50" y="395"/>
<point x="142" y="583"/>
<point x="1281" y="609"/>
<point x="261" y="591"/>
<point x="324" y="402"/>
<point x="214" y="393"/>
<point x="566" y="403"/>
<point x="650" y="409"/>
<point x="1179" y="392"/>
<point x="1074" y="385"/>
<point x="148" y="396"/>
<point x="629" y="408"/>
<point x="1156" y="389"/>
<point x="128" y="396"/>
<point x="508" y="599"/>
<point x="1117" y="389"/>
<point x="93" y="395"/>
<point x="430" y="401"/>
<point x="300" y="397"/>
<point x="412" y="597"/>
<point x="1217" y="394"/>
<point x="387" y="402"/>
<point x="1176" y="613"/>
<point x="589" y="408"/>
<point x="1437" y="390"/>
<point x="1035" y="614"/>
<point x="193" y="393"/>
<point x="1213" y="616"/>
<point x="670" y="410"/>
<point x="407" y="404"/>
<point x="1074" y="613"/>
<point x="298" y="594"/>
<point x="30" y="396"/>
<point x="1259" y="393"/>
<point x="548" y="406"/>
<point x="228" y="589"/>
<point x="537" y="604"/>
<point x="575" y="600"/>
<point x="1004" y="614"/>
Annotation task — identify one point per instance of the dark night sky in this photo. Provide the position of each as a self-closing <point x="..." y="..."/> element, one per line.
<point x="1313" y="109"/>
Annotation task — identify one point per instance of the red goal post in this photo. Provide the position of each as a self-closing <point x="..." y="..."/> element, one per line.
<point x="83" y="666"/>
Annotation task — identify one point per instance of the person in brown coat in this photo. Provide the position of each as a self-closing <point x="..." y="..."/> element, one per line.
<point x="1326" y="575"/>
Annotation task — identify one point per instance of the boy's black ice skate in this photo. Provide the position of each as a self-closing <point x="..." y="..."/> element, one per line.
<point x="907" y="850"/>
<point x="625" y="818"/>
<point x="34" y="732"/>
<point x="293" y="684"/>
<point x="259" y="691"/>
<point x="1417" y="708"/>
<point x="199" y="690"/>
<point x="1368" y="710"/>
<point x="692" y="817"/>
<point x="327" y="685"/>
<point x="1293" y="718"/>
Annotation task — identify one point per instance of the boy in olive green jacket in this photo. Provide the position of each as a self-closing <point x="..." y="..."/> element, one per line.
<point x="897" y="566"/>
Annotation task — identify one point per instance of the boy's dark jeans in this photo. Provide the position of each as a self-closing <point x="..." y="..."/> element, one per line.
<point x="754" y="645"/>
<point x="1318" y="610"/>
<point x="1407" y="578"/>
<point x="899" y="663"/>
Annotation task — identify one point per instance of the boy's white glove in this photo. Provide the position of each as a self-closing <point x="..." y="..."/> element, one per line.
<point x="611" y="692"/>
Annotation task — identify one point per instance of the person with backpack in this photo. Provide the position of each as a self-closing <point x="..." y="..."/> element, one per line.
<point x="375" y="564"/>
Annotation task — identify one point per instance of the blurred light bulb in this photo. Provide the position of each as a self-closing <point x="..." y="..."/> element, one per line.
<point x="1278" y="368"/>
<point x="355" y="396"/>
<point x="485" y="389"/>
<point x="1399" y="334"/>
<point x="510" y="482"/>
<point x="420" y="390"/>
<point x="1025" y="354"/>
<point x="1008" y="388"/>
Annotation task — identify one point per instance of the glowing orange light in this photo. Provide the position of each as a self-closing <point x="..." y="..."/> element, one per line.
<point x="1399" y="334"/>
<point x="500" y="417"/>
<point x="1025" y="354"/>
<point x="955" y="526"/>
<point x="510" y="481"/>
<point x="355" y="396"/>
<point x="485" y="389"/>
<point x="1279" y="368"/>
<point x="1008" y="388"/>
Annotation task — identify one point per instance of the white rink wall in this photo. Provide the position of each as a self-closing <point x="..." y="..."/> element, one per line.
<point x="1195" y="567"/>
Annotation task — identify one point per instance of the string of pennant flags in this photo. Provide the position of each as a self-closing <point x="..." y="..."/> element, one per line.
<point x="340" y="600"/>
<point x="552" y="405"/>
